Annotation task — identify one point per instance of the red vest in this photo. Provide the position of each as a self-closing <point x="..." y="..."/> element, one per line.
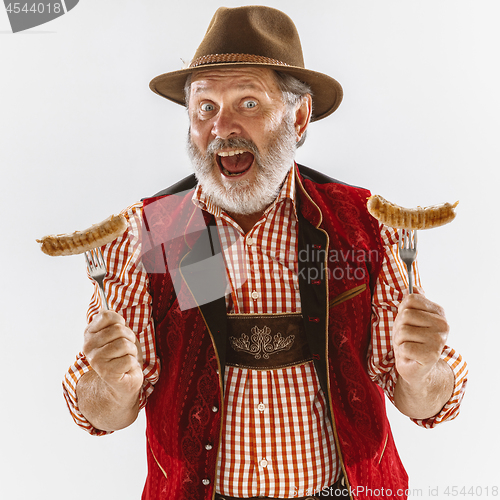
<point x="340" y="255"/>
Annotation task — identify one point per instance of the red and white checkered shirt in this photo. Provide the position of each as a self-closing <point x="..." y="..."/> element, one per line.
<point x="277" y="440"/>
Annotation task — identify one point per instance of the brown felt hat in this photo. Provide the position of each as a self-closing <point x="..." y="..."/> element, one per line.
<point x="253" y="36"/>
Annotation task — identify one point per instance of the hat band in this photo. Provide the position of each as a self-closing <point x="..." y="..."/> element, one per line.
<point x="234" y="58"/>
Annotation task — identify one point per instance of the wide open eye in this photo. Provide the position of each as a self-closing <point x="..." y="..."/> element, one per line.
<point x="206" y="106"/>
<point x="249" y="104"/>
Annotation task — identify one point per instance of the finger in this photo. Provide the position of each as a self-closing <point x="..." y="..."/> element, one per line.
<point x="421" y="302"/>
<point x="139" y="352"/>
<point x="116" y="349"/>
<point x="422" y="318"/>
<point x="422" y="354"/>
<point x="106" y="359"/>
<point x="121" y="373"/>
<point x="116" y="368"/>
<point x="97" y="339"/>
<point x="434" y="340"/>
<point x="104" y="319"/>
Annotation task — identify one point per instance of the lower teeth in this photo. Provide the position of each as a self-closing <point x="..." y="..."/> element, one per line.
<point x="230" y="174"/>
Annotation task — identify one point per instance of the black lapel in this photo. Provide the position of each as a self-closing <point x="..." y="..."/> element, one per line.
<point x="312" y="248"/>
<point x="204" y="271"/>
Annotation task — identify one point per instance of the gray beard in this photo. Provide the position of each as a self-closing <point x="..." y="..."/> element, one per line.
<point x="247" y="196"/>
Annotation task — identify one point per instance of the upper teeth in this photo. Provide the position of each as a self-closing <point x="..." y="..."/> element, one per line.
<point x="231" y="153"/>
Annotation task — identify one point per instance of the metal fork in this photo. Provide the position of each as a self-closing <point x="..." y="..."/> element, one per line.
<point x="97" y="270"/>
<point x="408" y="252"/>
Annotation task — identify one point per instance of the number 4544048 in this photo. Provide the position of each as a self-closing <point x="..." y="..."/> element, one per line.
<point x="38" y="8"/>
<point x="478" y="491"/>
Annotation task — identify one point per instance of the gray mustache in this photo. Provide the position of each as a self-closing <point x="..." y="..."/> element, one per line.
<point x="232" y="142"/>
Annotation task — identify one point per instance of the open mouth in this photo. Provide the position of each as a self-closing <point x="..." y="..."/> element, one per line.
<point x="234" y="163"/>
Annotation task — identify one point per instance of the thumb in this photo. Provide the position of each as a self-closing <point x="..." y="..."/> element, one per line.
<point x="418" y="290"/>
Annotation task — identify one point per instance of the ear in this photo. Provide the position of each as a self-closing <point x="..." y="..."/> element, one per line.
<point x="303" y="115"/>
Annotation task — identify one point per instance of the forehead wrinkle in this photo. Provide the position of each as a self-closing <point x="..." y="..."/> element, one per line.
<point x="239" y="79"/>
<point x="199" y="87"/>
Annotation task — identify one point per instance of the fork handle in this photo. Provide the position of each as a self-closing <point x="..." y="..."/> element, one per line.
<point x="410" y="278"/>
<point x="104" y="300"/>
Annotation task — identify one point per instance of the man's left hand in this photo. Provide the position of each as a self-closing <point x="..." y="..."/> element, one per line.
<point x="419" y="336"/>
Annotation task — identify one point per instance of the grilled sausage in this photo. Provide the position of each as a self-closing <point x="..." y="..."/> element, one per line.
<point x="81" y="241"/>
<point x="410" y="218"/>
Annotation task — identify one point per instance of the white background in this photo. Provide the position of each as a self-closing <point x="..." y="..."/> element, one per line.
<point x="82" y="137"/>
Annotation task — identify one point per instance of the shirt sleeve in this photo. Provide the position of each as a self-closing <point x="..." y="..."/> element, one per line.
<point x="126" y="288"/>
<point x="387" y="296"/>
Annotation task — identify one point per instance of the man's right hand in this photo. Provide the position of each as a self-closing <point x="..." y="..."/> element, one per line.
<point x="113" y="352"/>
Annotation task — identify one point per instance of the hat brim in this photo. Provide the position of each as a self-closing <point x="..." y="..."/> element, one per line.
<point x="327" y="92"/>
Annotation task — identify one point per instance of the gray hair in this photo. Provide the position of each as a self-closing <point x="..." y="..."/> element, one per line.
<point x="292" y="89"/>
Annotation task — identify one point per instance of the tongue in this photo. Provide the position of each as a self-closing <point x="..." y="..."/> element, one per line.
<point x="237" y="163"/>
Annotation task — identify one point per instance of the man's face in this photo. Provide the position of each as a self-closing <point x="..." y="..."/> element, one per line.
<point x="242" y="137"/>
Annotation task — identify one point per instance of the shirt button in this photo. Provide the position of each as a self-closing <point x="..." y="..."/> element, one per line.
<point x="255" y="295"/>
<point x="208" y="447"/>
<point x="215" y="409"/>
<point x="249" y="242"/>
<point x="263" y="463"/>
<point x="261" y="407"/>
<point x="205" y="482"/>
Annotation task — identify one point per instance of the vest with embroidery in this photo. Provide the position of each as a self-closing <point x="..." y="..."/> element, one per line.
<point x="339" y="256"/>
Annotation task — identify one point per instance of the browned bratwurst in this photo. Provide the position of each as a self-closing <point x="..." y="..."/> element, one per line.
<point x="80" y="241"/>
<point x="393" y="215"/>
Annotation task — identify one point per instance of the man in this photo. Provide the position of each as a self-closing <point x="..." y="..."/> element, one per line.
<point x="258" y="309"/>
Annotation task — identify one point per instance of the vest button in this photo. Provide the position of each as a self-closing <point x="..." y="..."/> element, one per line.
<point x="208" y="447"/>
<point x="215" y="409"/>
<point x="205" y="482"/>
<point x="313" y="319"/>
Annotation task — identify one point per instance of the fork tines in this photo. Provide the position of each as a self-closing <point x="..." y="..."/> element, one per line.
<point x="406" y="240"/>
<point x="408" y="252"/>
<point x="96" y="266"/>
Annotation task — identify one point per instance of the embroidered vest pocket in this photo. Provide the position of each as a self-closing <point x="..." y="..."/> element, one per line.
<point x="348" y="294"/>
<point x="266" y="341"/>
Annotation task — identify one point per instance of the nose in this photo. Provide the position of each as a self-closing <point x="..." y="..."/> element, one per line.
<point x="226" y="123"/>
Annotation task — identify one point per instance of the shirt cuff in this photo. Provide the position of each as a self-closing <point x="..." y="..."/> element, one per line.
<point x="388" y="379"/>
